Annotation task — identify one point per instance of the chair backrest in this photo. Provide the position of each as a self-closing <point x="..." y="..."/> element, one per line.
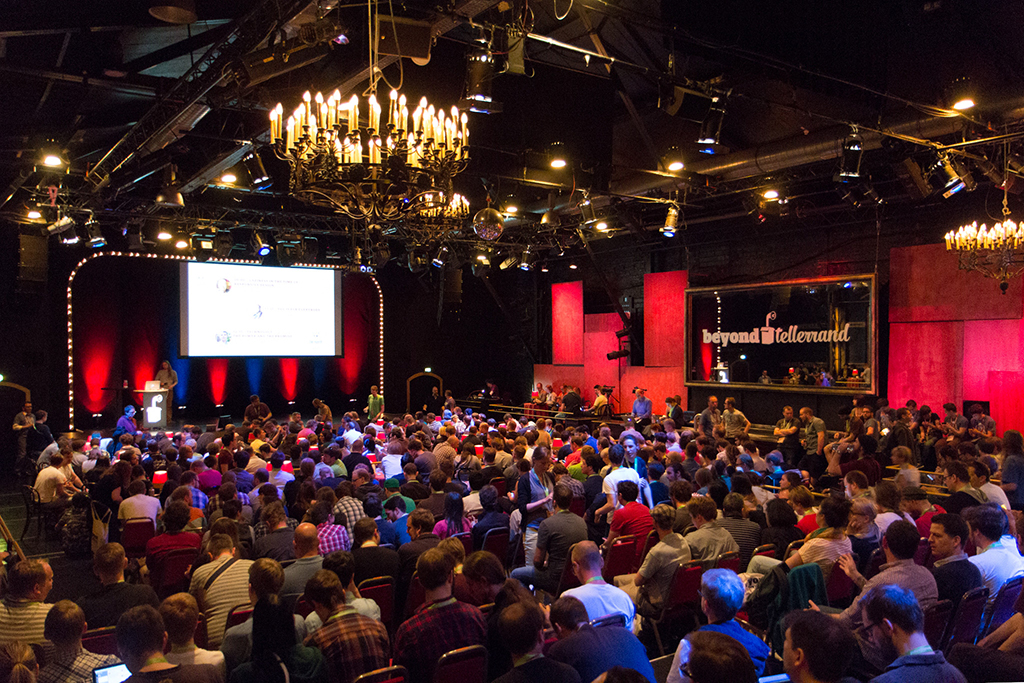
<point x="100" y="641"/>
<point x="392" y="674"/>
<point x="620" y="558"/>
<point x="202" y="638"/>
<point x="467" y="541"/>
<point x="616" y="619"/>
<point x="465" y="665"/>
<point x="652" y="540"/>
<point x="568" y="579"/>
<point x="416" y="595"/>
<point x="766" y="550"/>
<point x="239" y="614"/>
<point x="30" y="496"/>
<point x="685" y="587"/>
<point x="496" y="541"/>
<point x="381" y="589"/>
<point x="936" y="619"/>
<point x="838" y="586"/>
<point x="923" y="555"/>
<point x="875" y="562"/>
<point x="792" y="548"/>
<point x="169" y="572"/>
<point x="500" y="484"/>
<point x="1003" y="605"/>
<point x="135" y="532"/>
<point x="729" y="560"/>
<point x="966" y="621"/>
<point x="578" y="507"/>
<point x="303" y="608"/>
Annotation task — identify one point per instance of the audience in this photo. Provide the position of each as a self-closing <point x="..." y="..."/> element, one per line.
<point x="18" y="662"/>
<point x="441" y="624"/>
<point x="103" y="607"/>
<point x="70" y="663"/>
<point x="555" y="537"/>
<point x="954" y="573"/>
<point x="23" y="611"/>
<point x="710" y="539"/>
<point x="522" y="628"/>
<point x="220" y="585"/>
<point x="711" y="657"/>
<point x="650" y="586"/>
<point x="600" y="598"/>
<point x="278" y="654"/>
<point x="592" y="651"/>
<point x="997" y="558"/>
<point x="351" y="643"/>
<point x="141" y="637"/>
<point x="308" y="561"/>
<point x="371" y="560"/>
<point x="180" y="613"/>
<point x="817" y="649"/>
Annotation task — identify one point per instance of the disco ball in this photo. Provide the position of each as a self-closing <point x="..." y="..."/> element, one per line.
<point x="488" y="224"/>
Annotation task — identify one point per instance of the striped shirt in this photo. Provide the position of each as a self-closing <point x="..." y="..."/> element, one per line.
<point x="22" y="620"/>
<point x="77" y="669"/>
<point x="333" y="537"/>
<point x="228" y="591"/>
<point x="906" y="574"/>
<point x="353" y="510"/>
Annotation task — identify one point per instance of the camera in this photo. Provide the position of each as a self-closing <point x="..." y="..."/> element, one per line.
<point x="636" y="389"/>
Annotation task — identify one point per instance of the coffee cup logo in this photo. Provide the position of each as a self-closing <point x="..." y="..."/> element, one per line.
<point x="768" y="332"/>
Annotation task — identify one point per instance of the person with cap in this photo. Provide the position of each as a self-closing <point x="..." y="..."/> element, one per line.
<point x="392" y="488"/>
<point x="916" y="504"/>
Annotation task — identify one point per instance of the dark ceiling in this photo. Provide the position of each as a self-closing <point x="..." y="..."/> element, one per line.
<point x="101" y="78"/>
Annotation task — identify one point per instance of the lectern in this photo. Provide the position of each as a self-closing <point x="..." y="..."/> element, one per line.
<point x="154" y="409"/>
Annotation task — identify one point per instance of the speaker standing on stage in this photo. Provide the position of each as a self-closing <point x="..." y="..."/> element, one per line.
<point x="168" y="379"/>
<point x="374" y="405"/>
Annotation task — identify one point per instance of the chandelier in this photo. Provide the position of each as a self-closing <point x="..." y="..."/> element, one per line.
<point x="996" y="252"/>
<point x="370" y="168"/>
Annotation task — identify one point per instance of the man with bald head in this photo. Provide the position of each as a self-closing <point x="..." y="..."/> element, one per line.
<point x="308" y="560"/>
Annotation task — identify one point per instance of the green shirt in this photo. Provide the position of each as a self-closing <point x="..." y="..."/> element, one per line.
<point x="814" y="427"/>
<point x="375" y="405"/>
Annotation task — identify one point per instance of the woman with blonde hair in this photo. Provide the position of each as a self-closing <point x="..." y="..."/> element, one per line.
<point x="18" y="663"/>
<point x="862" y="531"/>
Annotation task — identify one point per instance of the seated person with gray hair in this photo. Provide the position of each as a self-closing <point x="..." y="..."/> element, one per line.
<point x="721" y="598"/>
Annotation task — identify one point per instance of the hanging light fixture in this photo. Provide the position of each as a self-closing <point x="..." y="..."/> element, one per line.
<point x="368" y="164"/>
<point x="849" y="161"/>
<point x="557" y="157"/>
<point x="671" y="221"/>
<point x="174" y="11"/>
<point x="711" y="127"/>
<point x="960" y="94"/>
<point x="996" y="252"/>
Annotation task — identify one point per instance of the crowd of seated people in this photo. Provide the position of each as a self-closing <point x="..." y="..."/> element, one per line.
<point x="283" y="523"/>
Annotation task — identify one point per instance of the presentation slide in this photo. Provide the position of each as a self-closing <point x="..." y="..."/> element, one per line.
<point x="239" y="310"/>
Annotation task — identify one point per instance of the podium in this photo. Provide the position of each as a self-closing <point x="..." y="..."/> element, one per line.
<point x="154" y="409"/>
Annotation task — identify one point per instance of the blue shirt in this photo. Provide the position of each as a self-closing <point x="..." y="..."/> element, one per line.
<point x="751" y="643"/>
<point x="388" y="533"/>
<point x="402" y="531"/>
<point x="642" y="407"/>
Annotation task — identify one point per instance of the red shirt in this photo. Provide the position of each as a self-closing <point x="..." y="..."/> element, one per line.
<point x="164" y="542"/>
<point x="924" y="522"/>
<point x="633" y="519"/>
<point x="573" y="458"/>
<point x="808" y="524"/>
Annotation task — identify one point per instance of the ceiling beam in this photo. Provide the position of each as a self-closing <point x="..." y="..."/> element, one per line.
<point x="175" y="50"/>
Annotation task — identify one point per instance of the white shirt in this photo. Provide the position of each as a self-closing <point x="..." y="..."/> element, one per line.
<point x="995" y="495"/>
<point x="279" y="479"/>
<point x="471" y="505"/>
<point x="351" y="436"/>
<point x="139" y="505"/>
<point x="392" y="464"/>
<point x="46" y="483"/>
<point x="999" y="562"/>
<point x="884" y="519"/>
<point x="201" y="656"/>
<point x="611" y="482"/>
<point x="602" y="599"/>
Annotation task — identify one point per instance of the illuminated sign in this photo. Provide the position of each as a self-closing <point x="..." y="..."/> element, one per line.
<point x="155" y="412"/>
<point x="777" y="335"/>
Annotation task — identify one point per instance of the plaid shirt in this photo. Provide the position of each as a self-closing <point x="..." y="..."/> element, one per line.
<point x="353" y="510"/>
<point x="216" y="503"/>
<point x="261" y="529"/>
<point x="435" y="629"/>
<point x="352" y="644"/>
<point x="575" y="485"/>
<point x="199" y="499"/>
<point x="77" y="670"/>
<point x="333" y="537"/>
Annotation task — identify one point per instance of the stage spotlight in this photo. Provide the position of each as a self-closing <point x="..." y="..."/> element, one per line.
<point x="511" y="209"/>
<point x="34" y="213"/>
<point x="169" y="195"/>
<point x="310" y="250"/>
<point x="544" y="267"/>
<point x="509" y="261"/>
<point x="381" y="254"/>
<point x="61" y="225"/>
<point x="442" y="256"/>
<point x="849" y="162"/>
<point x="849" y="197"/>
<point x="258" y="175"/>
<point x="770" y="195"/>
<point x="990" y="170"/>
<point x="287" y="247"/>
<point x="51" y="155"/>
<point x="96" y="238"/>
<point x="946" y="176"/>
<point x="622" y="333"/>
<point x="870" y="193"/>
<point x="163" y="234"/>
<point x="181" y="242"/>
<point x="550" y="217"/>
<point x="260" y="245"/>
<point x="711" y="127"/>
<point x="481" y="268"/>
<point x="671" y="221"/>
<point x="174" y="11"/>
<point x="674" y="160"/>
<point x="557" y="157"/>
<point x="202" y="245"/>
<point x="572" y="265"/>
<point x="960" y="94"/>
<point x="223" y="244"/>
<point x="479" y="76"/>
<point x="134" y="239"/>
<point x="621" y="353"/>
<point x="526" y="262"/>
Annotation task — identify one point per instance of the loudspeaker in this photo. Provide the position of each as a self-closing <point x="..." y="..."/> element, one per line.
<point x="33" y="256"/>
<point x="403" y="37"/>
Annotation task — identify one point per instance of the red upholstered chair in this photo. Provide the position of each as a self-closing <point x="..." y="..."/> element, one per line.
<point x="923" y="556"/>
<point x="135" y="533"/>
<point x="620" y="558"/>
<point x="167" y="571"/>
<point x="578" y="507"/>
<point x="766" y="550"/>
<point x="239" y="614"/>
<point x="392" y="674"/>
<point x="381" y="590"/>
<point x="684" y="593"/>
<point x="465" y="665"/>
<point x="416" y="596"/>
<point x="966" y="620"/>
<point x="500" y="484"/>
<point x="838" y="587"/>
<point x="936" y="620"/>
<point x="100" y="641"/>
<point x="729" y="560"/>
<point x="1003" y="606"/>
<point x="467" y="541"/>
<point x="652" y="540"/>
<point x="496" y="542"/>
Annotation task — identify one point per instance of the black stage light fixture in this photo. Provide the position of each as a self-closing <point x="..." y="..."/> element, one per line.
<point x="711" y="127"/>
<point x="441" y="258"/>
<point x="223" y="243"/>
<point x="258" y="175"/>
<point x="287" y="247"/>
<point x="621" y="353"/>
<point x="671" y="221"/>
<point x="133" y="236"/>
<point x="527" y="259"/>
<point x="310" y="250"/>
<point x="480" y="70"/>
<point x="960" y="94"/>
<point x="849" y="161"/>
<point x="203" y="245"/>
<point x="260" y="244"/>
<point x="943" y="173"/>
<point x="60" y="226"/>
<point x="96" y="238"/>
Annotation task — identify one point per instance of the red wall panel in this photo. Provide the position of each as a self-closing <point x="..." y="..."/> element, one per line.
<point x="567" y="323"/>
<point x="665" y="319"/>
<point x="926" y="363"/>
<point x="989" y="345"/>
<point x="598" y="339"/>
<point x="1007" y="399"/>
<point x="926" y="284"/>
<point x="659" y="382"/>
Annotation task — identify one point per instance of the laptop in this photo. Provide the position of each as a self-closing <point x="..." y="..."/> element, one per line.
<point x="153" y="385"/>
<point x="111" y="674"/>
